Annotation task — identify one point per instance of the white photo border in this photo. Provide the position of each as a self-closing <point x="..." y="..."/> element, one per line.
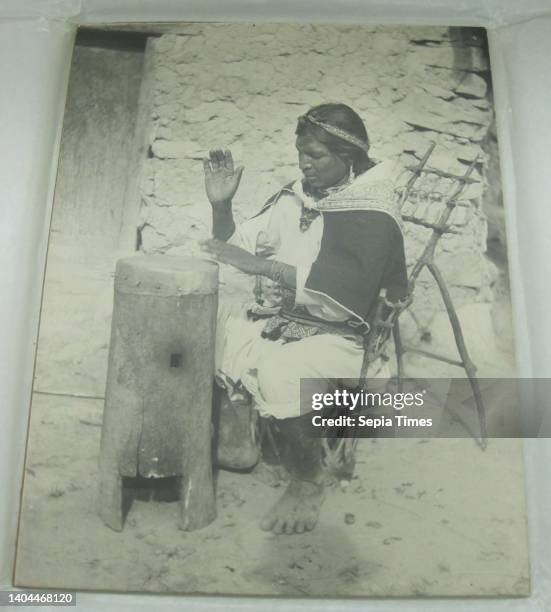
<point x="36" y="38"/>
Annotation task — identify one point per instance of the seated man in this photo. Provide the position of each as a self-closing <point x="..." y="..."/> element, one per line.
<point x="323" y="249"/>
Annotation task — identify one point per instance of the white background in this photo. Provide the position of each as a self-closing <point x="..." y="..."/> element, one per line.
<point x="35" y="49"/>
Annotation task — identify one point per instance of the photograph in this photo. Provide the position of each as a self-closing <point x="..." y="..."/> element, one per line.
<point x="255" y="228"/>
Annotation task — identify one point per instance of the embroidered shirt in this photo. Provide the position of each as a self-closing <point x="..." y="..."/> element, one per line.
<point x="348" y="252"/>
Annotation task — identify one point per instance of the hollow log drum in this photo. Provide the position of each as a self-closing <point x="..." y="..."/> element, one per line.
<point x="158" y="401"/>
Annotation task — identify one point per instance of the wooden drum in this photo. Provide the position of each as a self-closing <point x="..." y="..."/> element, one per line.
<point x="158" y="400"/>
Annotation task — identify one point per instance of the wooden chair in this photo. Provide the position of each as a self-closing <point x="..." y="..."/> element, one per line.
<point x="339" y="452"/>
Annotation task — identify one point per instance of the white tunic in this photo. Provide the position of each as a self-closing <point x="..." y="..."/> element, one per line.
<point x="278" y="232"/>
<point x="270" y="370"/>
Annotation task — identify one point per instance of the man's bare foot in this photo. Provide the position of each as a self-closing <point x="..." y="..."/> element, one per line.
<point x="297" y="510"/>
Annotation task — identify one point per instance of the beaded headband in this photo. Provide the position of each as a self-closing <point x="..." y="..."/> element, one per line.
<point x="338" y="132"/>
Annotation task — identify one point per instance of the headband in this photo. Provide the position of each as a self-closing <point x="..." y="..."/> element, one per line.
<point x="338" y="132"/>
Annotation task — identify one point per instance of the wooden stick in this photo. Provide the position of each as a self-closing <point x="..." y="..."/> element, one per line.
<point x="443" y="174"/>
<point x="446" y="229"/>
<point x="469" y="366"/>
<point x="399" y="350"/>
<point x="412" y="349"/>
<point x="428" y="253"/>
<point x="416" y="172"/>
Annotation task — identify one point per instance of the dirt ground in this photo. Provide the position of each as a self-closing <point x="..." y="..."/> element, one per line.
<point x="420" y="517"/>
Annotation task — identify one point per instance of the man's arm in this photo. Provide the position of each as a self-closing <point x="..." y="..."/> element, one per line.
<point x="223" y="225"/>
<point x="281" y="273"/>
<point x="252" y="264"/>
<point x="221" y="182"/>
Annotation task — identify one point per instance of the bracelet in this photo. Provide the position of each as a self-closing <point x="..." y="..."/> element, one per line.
<point x="277" y="270"/>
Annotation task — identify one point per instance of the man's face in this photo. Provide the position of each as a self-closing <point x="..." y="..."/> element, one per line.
<point x="321" y="168"/>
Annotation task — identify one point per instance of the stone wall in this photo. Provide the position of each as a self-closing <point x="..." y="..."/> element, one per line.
<point x="242" y="86"/>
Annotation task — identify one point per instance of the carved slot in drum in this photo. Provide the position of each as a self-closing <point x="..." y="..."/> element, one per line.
<point x="176" y="360"/>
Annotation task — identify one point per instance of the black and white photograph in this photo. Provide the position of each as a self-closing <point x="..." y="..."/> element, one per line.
<point x="240" y="207"/>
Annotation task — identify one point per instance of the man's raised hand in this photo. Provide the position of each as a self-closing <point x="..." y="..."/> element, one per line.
<point x="221" y="178"/>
